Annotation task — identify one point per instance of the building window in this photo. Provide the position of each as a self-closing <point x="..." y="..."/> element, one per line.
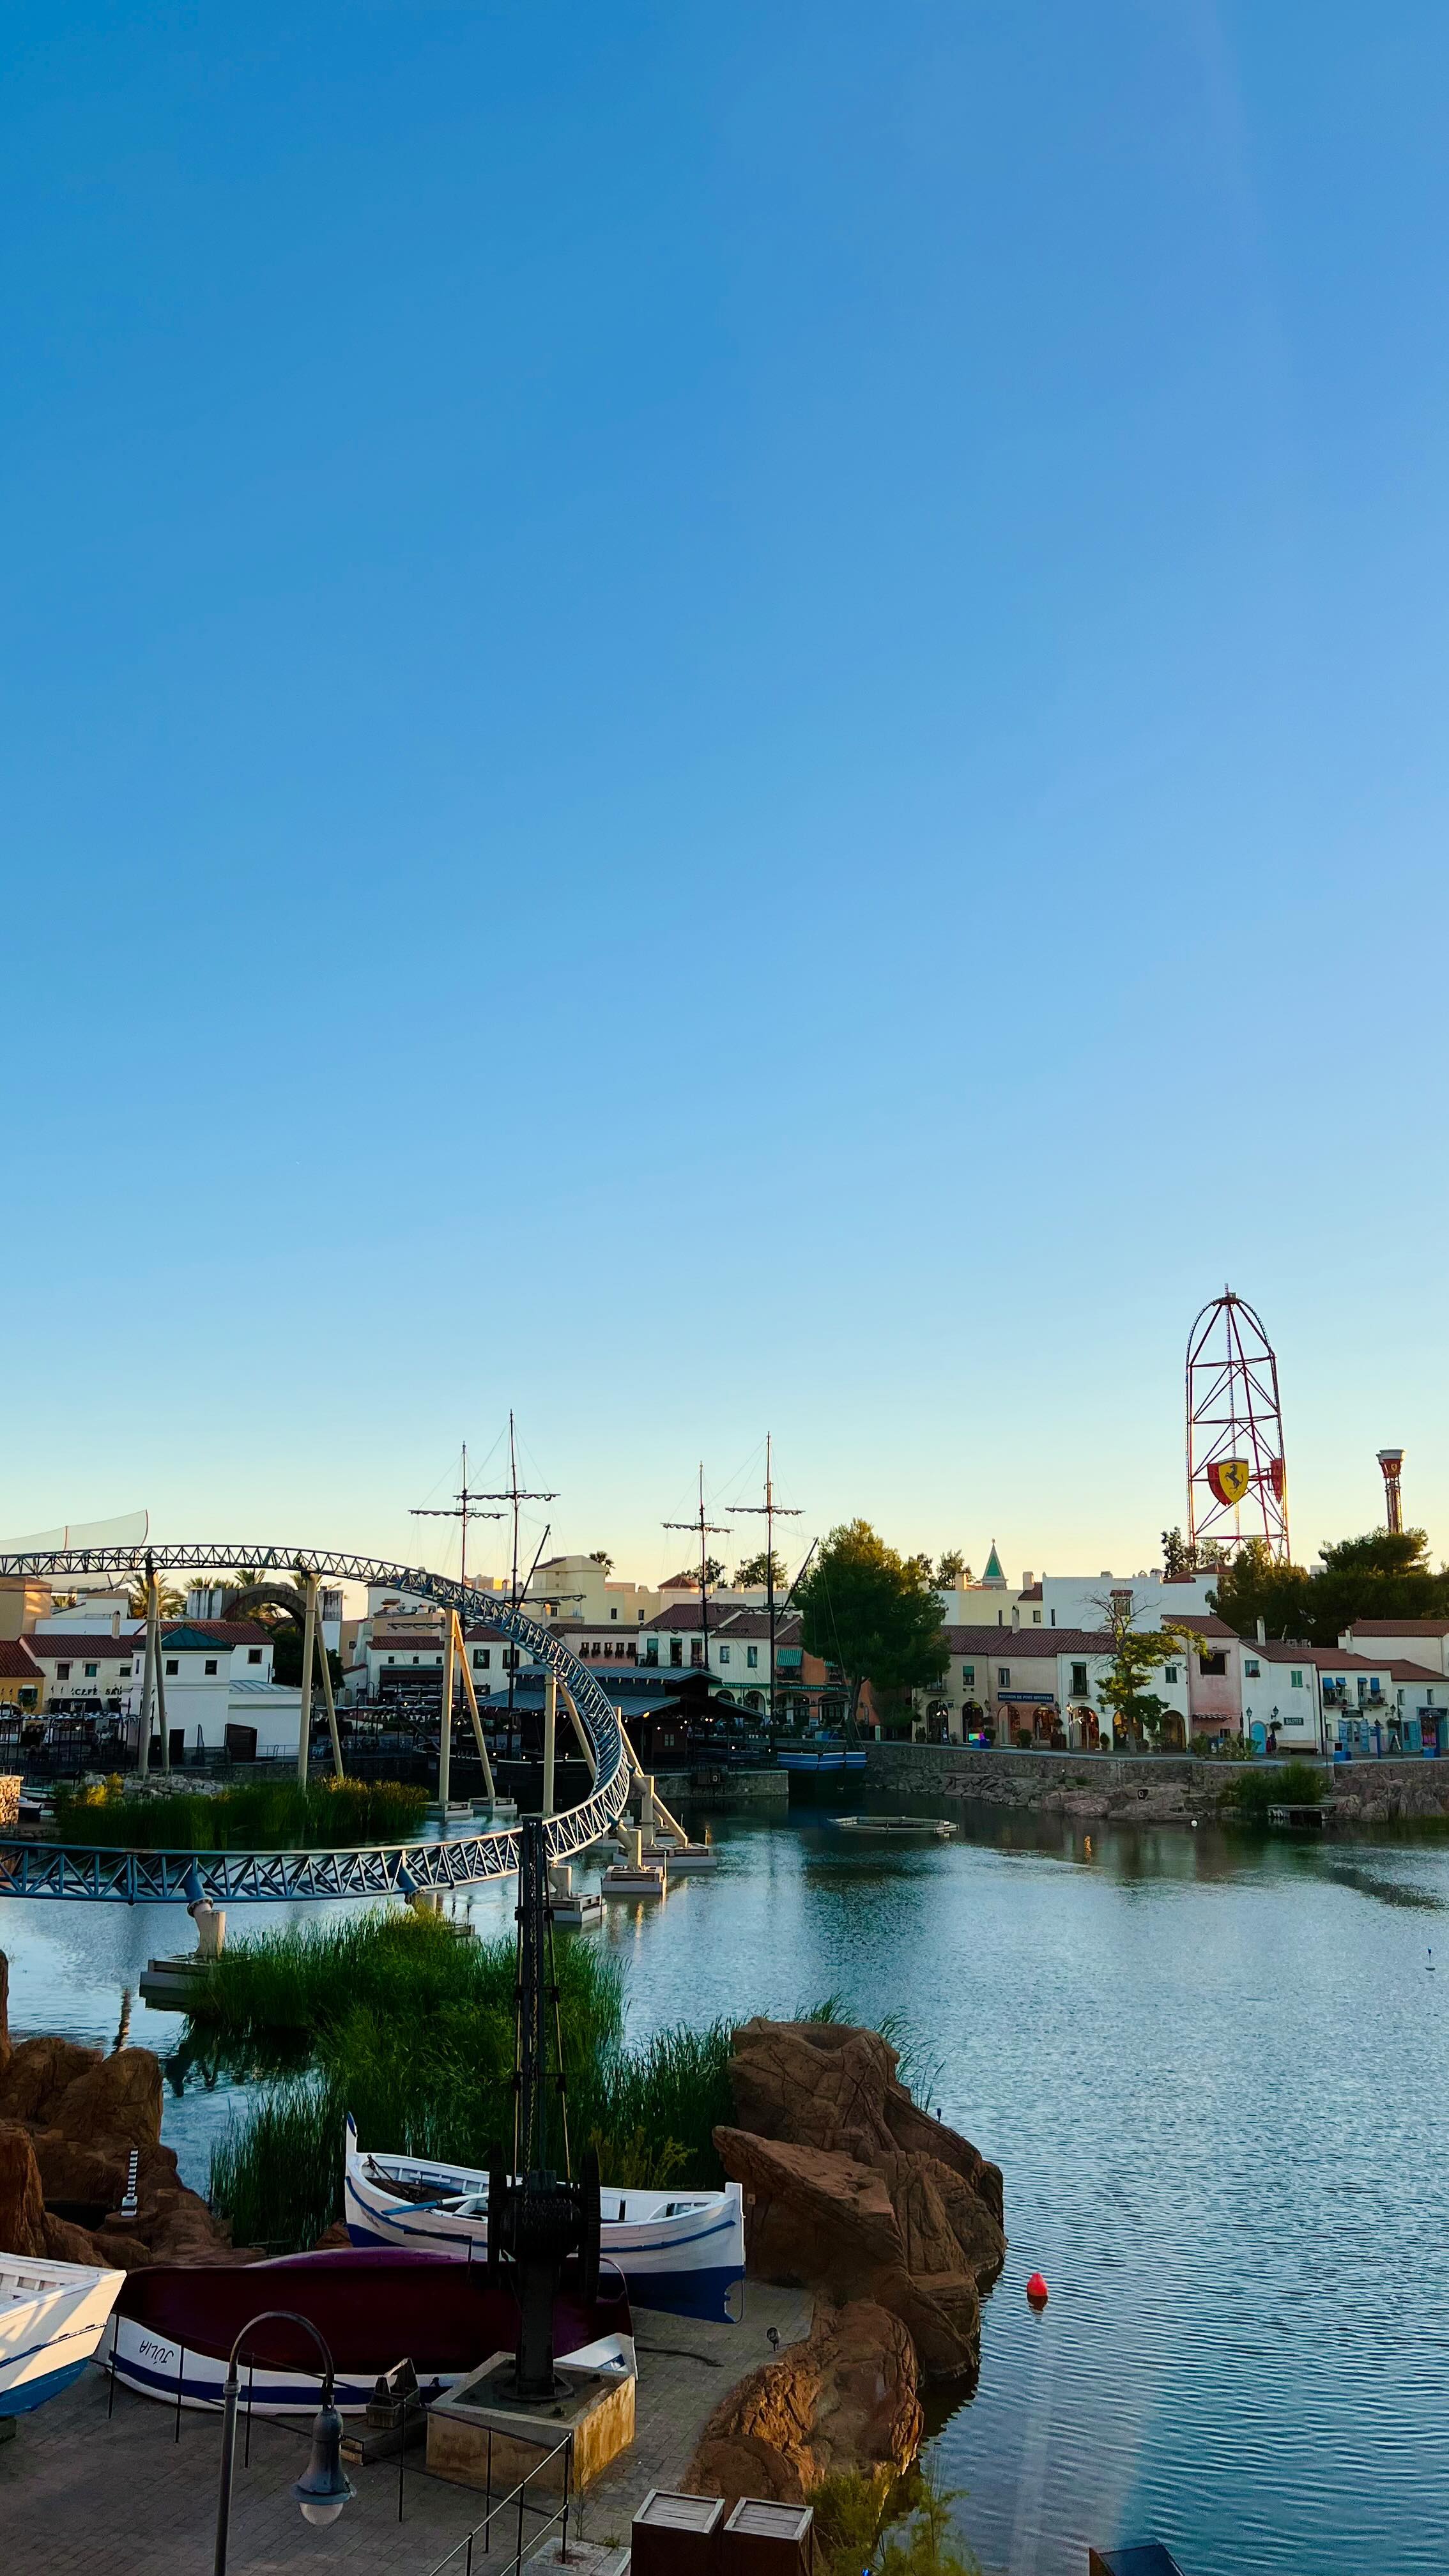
<point x="1212" y="1664"/>
<point x="1079" y="1681"/>
<point x="210" y="1664"/>
<point x="254" y="1654"/>
<point x="172" y="1667"/>
<point x="1036" y="1618"/>
<point x="676" y="1650"/>
<point x="392" y="1659"/>
<point x="125" y="1672"/>
<point x="968" y="1677"/>
<point x="62" y="1672"/>
<point x="480" y="1659"/>
<point x="724" y="1654"/>
<point x="613" y="1614"/>
<point x="651" y="1650"/>
<point x="1296" y="1680"/>
<point x="752" y="1657"/>
<point x="1003" y="1676"/>
<point x="696" y="1650"/>
<point x="1169" y="1672"/>
<point x="1251" y="1669"/>
<point x="90" y="1671"/>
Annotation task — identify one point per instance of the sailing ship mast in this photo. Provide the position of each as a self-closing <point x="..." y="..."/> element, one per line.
<point x="707" y="1530"/>
<point x="461" y="1509"/>
<point x="770" y="1511"/>
<point x="514" y="1493"/>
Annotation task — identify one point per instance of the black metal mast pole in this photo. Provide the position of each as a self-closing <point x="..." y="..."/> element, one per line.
<point x="706" y="1529"/>
<point x="771" y="1512"/>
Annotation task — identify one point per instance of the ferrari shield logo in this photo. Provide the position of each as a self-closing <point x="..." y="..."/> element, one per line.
<point x="1228" y="1478"/>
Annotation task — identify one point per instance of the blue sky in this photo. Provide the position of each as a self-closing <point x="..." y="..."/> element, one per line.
<point x="718" y="718"/>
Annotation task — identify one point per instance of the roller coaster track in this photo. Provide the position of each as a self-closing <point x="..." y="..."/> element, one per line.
<point x="99" y="1873"/>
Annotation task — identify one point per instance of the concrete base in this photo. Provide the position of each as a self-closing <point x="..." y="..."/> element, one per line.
<point x="575" y="1913"/>
<point x="626" y="1880"/>
<point x="595" y="2406"/>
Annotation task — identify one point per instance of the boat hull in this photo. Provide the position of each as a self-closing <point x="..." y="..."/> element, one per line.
<point x="175" y="2327"/>
<point x="52" y="2318"/>
<point x="688" y="2263"/>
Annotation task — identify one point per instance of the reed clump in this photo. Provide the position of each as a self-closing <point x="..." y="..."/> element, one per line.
<point x="396" y="2019"/>
<point x="270" y="1815"/>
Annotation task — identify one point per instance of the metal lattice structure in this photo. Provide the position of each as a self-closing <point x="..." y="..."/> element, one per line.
<point x="1237" y="1479"/>
<point x="386" y="1869"/>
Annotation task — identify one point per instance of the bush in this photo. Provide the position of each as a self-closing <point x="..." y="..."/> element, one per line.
<point x="896" y="2526"/>
<point x="1297" y="1784"/>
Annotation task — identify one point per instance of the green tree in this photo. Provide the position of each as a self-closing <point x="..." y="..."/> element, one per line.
<point x="758" y="1569"/>
<point x="601" y="1556"/>
<point x="951" y="1570"/>
<point x="1382" y="1574"/>
<point x="1137" y="1653"/>
<point x="873" y="1613"/>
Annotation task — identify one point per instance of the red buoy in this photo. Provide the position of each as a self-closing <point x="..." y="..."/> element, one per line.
<point x="1036" y="2291"/>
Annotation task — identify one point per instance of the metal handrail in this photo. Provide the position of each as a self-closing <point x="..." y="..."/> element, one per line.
<point x="525" y="2503"/>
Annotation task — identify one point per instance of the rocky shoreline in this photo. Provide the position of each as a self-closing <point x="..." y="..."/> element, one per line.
<point x="891" y="2218"/>
<point x="70" y="2118"/>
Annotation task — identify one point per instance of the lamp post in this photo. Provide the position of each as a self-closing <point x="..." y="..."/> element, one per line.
<point x="324" y="2486"/>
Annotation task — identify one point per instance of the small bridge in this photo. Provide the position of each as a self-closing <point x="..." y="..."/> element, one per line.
<point x="100" y="1874"/>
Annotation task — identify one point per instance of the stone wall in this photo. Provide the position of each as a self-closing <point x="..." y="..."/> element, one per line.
<point x="1153" y="1787"/>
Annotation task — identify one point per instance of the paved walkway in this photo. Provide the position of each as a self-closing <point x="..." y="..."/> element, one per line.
<point x="84" y="2494"/>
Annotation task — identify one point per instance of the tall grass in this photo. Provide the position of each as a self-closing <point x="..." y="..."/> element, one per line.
<point x="273" y="1815"/>
<point x="410" y="2028"/>
<point x="1296" y="1784"/>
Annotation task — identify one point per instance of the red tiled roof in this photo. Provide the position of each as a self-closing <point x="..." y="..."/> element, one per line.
<point x="17" y="1664"/>
<point x="1032" y="1593"/>
<point x="1202" y="1623"/>
<point x="1022" y="1643"/>
<point x="89" y="1650"/>
<point x="1399" y="1628"/>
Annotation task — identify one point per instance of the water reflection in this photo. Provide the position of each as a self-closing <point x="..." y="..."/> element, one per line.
<point x="1212" y="2068"/>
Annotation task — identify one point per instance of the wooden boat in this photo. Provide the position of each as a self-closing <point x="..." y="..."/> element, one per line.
<point x="679" y="2250"/>
<point x="52" y="2316"/>
<point x="176" y="2324"/>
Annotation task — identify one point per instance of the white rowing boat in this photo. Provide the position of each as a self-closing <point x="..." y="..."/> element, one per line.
<point x="677" y="2249"/>
<point x="52" y="2317"/>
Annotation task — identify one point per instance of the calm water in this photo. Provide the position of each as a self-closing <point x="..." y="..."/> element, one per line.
<point x="1214" y="2075"/>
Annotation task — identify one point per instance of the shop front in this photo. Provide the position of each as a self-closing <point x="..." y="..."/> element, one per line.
<point x="1029" y="1718"/>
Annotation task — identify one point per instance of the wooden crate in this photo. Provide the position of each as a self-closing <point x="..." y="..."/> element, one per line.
<point x="676" y="2532"/>
<point x="765" y="2539"/>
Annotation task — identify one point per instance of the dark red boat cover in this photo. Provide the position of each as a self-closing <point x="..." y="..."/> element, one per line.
<point x="372" y="2306"/>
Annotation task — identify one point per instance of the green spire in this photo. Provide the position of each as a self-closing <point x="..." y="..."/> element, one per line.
<point x="995" y="1570"/>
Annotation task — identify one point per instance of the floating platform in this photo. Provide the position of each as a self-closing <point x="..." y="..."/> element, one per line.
<point x="629" y="1878"/>
<point x="1310" y="1818"/>
<point x="931" y="1826"/>
<point x="682" y="1858"/>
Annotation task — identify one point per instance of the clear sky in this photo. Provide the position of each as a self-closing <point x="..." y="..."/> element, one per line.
<point x="717" y="718"/>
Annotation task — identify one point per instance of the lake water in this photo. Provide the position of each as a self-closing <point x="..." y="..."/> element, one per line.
<point x="1213" y="2073"/>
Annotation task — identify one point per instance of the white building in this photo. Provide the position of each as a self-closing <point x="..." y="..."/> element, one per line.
<point x="216" y="1676"/>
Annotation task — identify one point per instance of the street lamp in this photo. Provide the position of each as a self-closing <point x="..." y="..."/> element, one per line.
<point x="324" y="2486"/>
